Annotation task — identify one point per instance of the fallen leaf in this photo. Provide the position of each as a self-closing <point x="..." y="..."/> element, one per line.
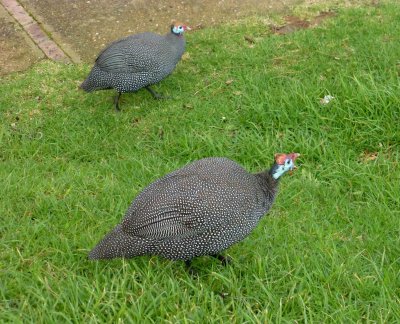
<point x="368" y="156"/>
<point x="249" y="39"/>
<point x="135" y="121"/>
<point x="198" y="26"/>
<point x="327" y="99"/>
<point x="186" y="56"/>
<point x="34" y="112"/>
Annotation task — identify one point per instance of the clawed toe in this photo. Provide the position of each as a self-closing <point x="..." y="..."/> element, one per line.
<point x="156" y="95"/>
<point x="225" y="260"/>
<point x="190" y="269"/>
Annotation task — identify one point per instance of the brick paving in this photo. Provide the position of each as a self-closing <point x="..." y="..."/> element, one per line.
<point x="33" y="29"/>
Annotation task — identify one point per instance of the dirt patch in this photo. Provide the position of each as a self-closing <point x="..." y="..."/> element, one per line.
<point x="17" y="52"/>
<point x="293" y="23"/>
<point x="35" y="32"/>
<point x="86" y="26"/>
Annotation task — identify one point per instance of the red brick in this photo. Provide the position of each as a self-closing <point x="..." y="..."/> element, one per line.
<point x="50" y="48"/>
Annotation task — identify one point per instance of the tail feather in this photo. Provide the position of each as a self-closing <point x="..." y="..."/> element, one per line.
<point x="86" y="85"/>
<point x="117" y="244"/>
<point x="97" y="80"/>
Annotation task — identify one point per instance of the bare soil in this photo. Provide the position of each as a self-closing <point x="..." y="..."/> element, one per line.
<point x="86" y="26"/>
<point x="83" y="27"/>
<point x="293" y="23"/>
<point x="17" y="51"/>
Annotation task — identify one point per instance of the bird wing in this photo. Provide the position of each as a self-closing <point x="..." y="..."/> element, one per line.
<point x="162" y="211"/>
<point x="133" y="54"/>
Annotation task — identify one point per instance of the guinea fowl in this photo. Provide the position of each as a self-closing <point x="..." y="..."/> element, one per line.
<point x="200" y="209"/>
<point x="136" y="62"/>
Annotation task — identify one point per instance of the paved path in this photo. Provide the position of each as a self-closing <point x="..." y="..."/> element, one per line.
<point x="17" y="50"/>
<point x="32" y="28"/>
<point x="75" y="31"/>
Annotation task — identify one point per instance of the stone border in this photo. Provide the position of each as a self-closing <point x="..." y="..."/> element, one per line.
<point x="33" y="29"/>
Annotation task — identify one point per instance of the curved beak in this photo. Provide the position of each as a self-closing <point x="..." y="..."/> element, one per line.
<point x="186" y="27"/>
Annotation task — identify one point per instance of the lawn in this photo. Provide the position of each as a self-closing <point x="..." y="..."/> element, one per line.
<point x="328" y="251"/>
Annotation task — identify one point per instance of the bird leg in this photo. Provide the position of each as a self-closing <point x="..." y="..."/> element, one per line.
<point x="116" y="100"/>
<point x="156" y="95"/>
<point x="189" y="267"/>
<point x="225" y="260"/>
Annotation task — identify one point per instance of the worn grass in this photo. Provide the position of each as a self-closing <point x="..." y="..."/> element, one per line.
<point x="327" y="252"/>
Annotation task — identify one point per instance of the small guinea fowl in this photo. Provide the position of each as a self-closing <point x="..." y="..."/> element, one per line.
<point x="136" y="62"/>
<point x="200" y="209"/>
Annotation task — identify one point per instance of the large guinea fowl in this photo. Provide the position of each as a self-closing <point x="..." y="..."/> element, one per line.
<point x="136" y="62"/>
<point x="200" y="209"/>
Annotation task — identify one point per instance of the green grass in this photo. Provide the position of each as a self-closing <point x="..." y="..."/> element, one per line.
<point x="327" y="252"/>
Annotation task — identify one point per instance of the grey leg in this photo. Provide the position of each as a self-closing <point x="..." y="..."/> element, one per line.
<point x="155" y="94"/>
<point x="191" y="271"/>
<point x="225" y="260"/>
<point x="116" y="101"/>
<point x="188" y="263"/>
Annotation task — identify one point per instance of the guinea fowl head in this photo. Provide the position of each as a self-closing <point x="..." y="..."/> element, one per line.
<point x="178" y="28"/>
<point x="283" y="163"/>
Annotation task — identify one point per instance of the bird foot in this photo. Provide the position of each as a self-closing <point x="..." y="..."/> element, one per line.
<point x="225" y="260"/>
<point x="190" y="269"/>
<point x="162" y="97"/>
<point x="156" y="95"/>
<point x="116" y="102"/>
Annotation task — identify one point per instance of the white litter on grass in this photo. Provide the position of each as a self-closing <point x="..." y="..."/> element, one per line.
<point x="325" y="100"/>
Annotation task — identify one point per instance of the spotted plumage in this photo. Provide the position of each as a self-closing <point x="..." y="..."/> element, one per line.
<point x="137" y="61"/>
<point x="200" y="209"/>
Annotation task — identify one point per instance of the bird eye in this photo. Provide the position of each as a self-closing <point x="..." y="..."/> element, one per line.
<point x="287" y="161"/>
